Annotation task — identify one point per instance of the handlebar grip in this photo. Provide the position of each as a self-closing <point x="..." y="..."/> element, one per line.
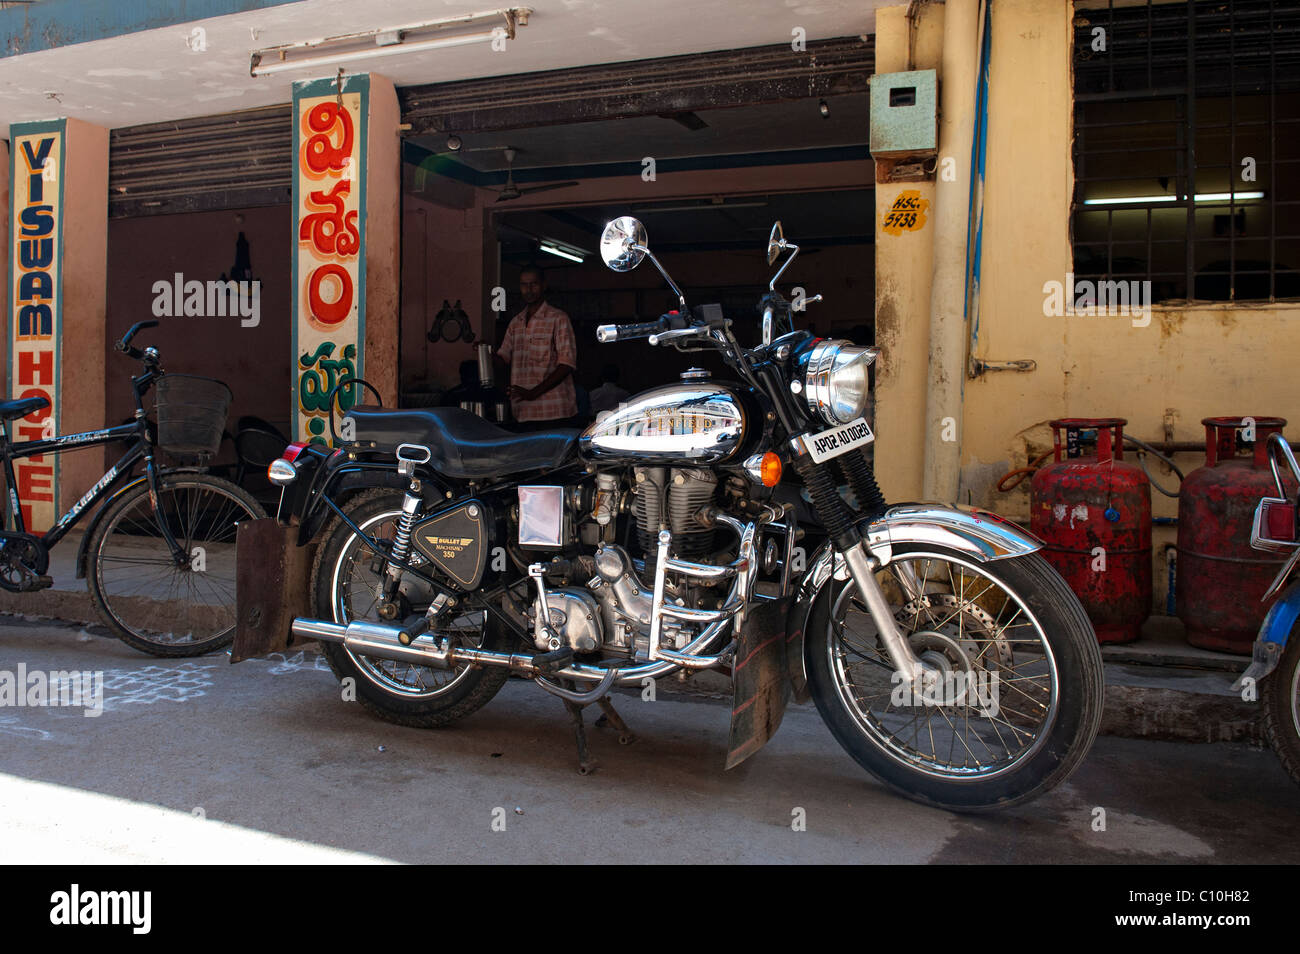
<point x="644" y="329"/>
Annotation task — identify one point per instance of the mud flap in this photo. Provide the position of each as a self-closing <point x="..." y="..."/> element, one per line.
<point x="794" y="663"/>
<point x="272" y="577"/>
<point x="760" y="681"/>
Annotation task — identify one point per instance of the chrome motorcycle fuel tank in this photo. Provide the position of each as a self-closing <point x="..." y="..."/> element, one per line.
<point x="694" y="422"/>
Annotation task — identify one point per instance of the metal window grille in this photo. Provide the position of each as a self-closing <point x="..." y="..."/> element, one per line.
<point x="1187" y="147"/>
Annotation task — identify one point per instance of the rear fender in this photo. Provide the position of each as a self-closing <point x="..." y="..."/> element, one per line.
<point x="1273" y="635"/>
<point x="979" y="534"/>
<point x="350" y="478"/>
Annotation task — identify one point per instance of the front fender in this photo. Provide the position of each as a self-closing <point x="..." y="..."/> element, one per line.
<point x="979" y="534"/>
<point x="1273" y="634"/>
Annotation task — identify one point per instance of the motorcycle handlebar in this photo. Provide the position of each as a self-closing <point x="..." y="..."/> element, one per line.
<point x="644" y="329"/>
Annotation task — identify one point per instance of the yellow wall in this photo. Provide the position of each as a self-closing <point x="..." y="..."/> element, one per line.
<point x="1201" y="360"/>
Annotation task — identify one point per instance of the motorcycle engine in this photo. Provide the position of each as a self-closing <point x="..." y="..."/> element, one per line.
<point x="603" y="603"/>
<point x="681" y="492"/>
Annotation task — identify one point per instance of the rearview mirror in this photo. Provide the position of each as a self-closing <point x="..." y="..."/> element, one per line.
<point x="775" y="242"/>
<point x="623" y="243"/>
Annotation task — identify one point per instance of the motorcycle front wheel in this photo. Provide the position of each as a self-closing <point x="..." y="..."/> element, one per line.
<point x="345" y="578"/>
<point x="1280" y="693"/>
<point x="1015" y="697"/>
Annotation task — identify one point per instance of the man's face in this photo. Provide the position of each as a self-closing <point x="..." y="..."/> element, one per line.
<point x="531" y="287"/>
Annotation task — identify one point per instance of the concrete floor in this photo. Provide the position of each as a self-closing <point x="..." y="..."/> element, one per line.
<point x="200" y="761"/>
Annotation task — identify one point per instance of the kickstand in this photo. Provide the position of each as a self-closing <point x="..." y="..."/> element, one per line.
<point x="611" y="717"/>
<point x="586" y="764"/>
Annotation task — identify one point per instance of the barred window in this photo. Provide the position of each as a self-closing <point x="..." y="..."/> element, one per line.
<point x="1187" y="146"/>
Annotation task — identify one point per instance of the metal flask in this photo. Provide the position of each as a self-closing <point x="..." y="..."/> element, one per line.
<point x="695" y="422"/>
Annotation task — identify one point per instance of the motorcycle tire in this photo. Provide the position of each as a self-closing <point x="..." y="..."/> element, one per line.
<point x="1072" y="681"/>
<point x="1280" y="693"/>
<point x="378" y="686"/>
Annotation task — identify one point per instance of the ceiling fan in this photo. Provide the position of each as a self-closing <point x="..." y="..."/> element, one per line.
<point x="512" y="191"/>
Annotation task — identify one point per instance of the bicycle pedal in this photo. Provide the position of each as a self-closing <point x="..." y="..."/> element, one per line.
<point x="32" y="583"/>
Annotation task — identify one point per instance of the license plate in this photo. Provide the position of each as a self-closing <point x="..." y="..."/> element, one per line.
<point x="835" y="441"/>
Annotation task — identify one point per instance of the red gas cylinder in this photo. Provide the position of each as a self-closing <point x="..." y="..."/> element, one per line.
<point x="1094" y="513"/>
<point x="1220" y="577"/>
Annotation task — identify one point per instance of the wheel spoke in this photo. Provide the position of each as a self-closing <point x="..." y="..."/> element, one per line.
<point x="171" y="609"/>
<point x="994" y="698"/>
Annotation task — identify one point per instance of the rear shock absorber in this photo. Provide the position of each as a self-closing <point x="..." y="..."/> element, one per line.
<point x="861" y="477"/>
<point x="406" y="462"/>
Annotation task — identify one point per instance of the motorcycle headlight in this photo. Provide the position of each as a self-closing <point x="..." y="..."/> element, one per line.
<point x="836" y="380"/>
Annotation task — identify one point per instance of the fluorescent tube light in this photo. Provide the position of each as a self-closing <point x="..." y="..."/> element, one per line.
<point x="389" y="41"/>
<point x="1152" y="199"/>
<point x="562" y="252"/>
<point x="1227" y="196"/>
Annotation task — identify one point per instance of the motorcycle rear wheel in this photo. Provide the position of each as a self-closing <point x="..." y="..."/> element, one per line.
<point x="1020" y="709"/>
<point x="343" y="587"/>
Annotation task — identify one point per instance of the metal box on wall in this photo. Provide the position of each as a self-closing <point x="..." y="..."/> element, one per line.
<point x="904" y="114"/>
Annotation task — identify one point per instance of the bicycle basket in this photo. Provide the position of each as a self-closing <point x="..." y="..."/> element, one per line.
<point x="191" y="414"/>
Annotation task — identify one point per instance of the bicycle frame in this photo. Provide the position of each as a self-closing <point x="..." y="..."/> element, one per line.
<point x="142" y="448"/>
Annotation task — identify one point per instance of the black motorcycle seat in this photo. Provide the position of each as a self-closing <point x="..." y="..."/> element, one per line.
<point x="21" y="408"/>
<point x="462" y="445"/>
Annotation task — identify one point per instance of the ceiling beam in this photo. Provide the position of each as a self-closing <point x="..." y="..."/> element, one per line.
<point x="674" y="84"/>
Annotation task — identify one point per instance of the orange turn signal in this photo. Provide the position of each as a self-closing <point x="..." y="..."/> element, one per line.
<point x="770" y="469"/>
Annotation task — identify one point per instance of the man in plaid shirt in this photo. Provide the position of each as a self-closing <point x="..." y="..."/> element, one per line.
<point x="539" y="347"/>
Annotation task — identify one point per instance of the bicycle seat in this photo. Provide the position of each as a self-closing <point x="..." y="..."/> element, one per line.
<point x="463" y="445"/>
<point x="21" y="408"/>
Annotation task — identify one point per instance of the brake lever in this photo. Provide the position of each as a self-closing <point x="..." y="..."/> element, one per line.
<point x="674" y="334"/>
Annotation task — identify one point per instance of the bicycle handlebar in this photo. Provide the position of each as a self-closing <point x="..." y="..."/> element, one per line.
<point x="124" y="343"/>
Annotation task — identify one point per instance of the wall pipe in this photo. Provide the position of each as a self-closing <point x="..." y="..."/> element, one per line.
<point x="946" y="376"/>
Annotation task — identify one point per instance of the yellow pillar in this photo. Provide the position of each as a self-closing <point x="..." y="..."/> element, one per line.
<point x="903" y="277"/>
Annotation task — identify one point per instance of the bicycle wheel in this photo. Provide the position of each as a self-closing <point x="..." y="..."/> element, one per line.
<point x="148" y="599"/>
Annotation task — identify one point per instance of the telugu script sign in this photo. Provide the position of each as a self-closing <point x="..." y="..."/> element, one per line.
<point x="329" y="204"/>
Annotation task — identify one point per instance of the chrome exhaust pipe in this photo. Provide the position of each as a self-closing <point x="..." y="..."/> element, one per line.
<point x="383" y="642"/>
<point x="373" y="639"/>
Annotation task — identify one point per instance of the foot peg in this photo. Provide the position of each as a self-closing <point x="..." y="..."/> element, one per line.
<point x="554" y="661"/>
<point x="412" y="627"/>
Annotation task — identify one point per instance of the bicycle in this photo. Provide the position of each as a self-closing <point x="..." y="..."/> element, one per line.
<point x="163" y="540"/>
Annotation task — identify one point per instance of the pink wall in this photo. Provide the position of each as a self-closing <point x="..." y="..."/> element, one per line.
<point x="253" y="361"/>
<point x="81" y="374"/>
<point x="383" y="238"/>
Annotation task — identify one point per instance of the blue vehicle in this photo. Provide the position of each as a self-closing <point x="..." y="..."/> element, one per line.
<point x="1275" y="667"/>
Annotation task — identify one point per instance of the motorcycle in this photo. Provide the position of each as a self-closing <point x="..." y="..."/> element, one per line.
<point x="1273" y="675"/>
<point x="942" y="651"/>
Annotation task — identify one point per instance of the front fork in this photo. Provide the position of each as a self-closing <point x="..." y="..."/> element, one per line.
<point x="180" y="556"/>
<point x="842" y="524"/>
